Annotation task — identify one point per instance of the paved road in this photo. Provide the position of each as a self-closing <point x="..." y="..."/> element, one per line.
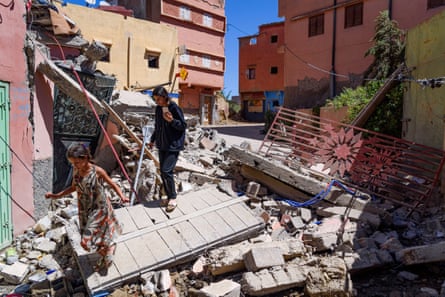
<point x="236" y="134"/>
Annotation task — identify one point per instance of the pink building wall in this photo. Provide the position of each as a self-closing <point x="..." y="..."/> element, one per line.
<point x="308" y="60"/>
<point x="13" y="70"/>
<point x="199" y="40"/>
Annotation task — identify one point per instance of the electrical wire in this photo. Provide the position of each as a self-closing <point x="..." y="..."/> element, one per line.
<point x="320" y="196"/>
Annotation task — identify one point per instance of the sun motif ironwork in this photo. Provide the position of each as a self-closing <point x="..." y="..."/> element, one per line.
<point x="338" y="150"/>
<point x="376" y="166"/>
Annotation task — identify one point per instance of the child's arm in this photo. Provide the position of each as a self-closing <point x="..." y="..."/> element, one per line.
<point x="65" y="192"/>
<point x="103" y="174"/>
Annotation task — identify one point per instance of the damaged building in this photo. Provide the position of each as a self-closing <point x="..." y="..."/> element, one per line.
<point x="320" y="209"/>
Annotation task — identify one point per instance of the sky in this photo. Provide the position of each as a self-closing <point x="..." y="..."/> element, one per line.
<point x="243" y="18"/>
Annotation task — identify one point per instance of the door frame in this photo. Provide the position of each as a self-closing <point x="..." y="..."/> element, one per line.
<point x="6" y="225"/>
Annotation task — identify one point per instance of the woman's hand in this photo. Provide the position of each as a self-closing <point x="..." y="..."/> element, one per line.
<point x="168" y="116"/>
<point x="50" y="195"/>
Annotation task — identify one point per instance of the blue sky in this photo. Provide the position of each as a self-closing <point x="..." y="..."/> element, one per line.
<point x="243" y="19"/>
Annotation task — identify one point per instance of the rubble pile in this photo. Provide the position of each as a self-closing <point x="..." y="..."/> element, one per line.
<point x="334" y="247"/>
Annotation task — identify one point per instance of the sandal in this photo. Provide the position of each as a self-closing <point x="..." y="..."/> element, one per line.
<point x="171" y="205"/>
<point x="105" y="261"/>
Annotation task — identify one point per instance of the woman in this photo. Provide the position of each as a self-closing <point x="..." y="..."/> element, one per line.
<point x="169" y="137"/>
<point x="98" y="224"/>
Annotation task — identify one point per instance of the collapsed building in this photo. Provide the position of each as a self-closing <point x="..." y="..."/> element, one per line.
<point x="286" y="219"/>
<point x="318" y="205"/>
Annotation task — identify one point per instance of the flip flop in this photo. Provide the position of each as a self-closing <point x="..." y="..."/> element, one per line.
<point x="171" y="206"/>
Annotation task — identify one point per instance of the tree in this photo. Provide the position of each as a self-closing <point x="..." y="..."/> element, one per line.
<point x="388" y="49"/>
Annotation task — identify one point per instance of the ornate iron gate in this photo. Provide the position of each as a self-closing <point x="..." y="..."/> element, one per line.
<point x="5" y="169"/>
<point x="387" y="167"/>
<point x="73" y="122"/>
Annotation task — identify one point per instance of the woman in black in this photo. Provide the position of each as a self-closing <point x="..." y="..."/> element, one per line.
<point x="168" y="136"/>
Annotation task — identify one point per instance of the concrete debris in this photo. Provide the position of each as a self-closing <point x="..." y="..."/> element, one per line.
<point x="224" y="288"/>
<point x="306" y="249"/>
<point x="266" y="282"/>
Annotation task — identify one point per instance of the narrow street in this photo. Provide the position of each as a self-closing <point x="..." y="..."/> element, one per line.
<point x="236" y="133"/>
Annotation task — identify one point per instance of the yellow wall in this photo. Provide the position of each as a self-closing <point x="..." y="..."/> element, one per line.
<point x="424" y="107"/>
<point x="130" y="38"/>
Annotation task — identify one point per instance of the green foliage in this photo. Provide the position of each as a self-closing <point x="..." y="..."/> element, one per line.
<point x="388" y="49"/>
<point x="387" y="117"/>
<point x="269" y="116"/>
<point x="235" y="107"/>
<point x="388" y="52"/>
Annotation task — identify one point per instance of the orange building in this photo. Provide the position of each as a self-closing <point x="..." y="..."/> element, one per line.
<point x="326" y="40"/>
<point x="201" y="27"/>
<point x="261" y="71"/>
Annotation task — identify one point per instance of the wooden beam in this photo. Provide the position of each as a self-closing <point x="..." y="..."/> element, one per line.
<point x="368" y="110"/>
<point x="70" y="87"/>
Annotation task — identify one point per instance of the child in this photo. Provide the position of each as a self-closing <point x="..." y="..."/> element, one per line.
<point x="98" y="224"/>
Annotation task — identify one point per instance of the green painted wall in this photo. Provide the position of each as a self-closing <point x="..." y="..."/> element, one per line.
<point x="424" y="107"/>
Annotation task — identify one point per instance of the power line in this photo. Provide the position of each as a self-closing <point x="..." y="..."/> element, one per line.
<point x="230" y="25"/>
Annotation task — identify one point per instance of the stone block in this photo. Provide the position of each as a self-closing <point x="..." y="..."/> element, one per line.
<point x="224" y="288"/>
<point x="15" y="273"/>
<point x="207" y="143"/>
<point x="422" y="254"/>
<point x="259" y="258"/>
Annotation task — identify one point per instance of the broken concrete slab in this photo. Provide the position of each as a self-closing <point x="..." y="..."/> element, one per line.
<point x="153" y="238"/>
<point x="224" y="288"/>
<point x="230" y="258"/>
<point x="422" y="254"/>
<point x="329" y="278"/>
<point x="15" y="273"/>
<point x="260" y="258"/>
<point x="266" y="282"/>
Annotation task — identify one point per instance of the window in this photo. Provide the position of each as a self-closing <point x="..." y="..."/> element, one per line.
<point x="152" y="59"/>
<point x="252" y="41"/>
<point x="354" y="15"/>
<point x="206" y="61"/>
<point x="316" y="25"/>
<point x="255" y="106"/>
<point x="207" y="20"/>
<point x="184" y="58"/>
<point x="250" y="73"/>
<point x="273" y="70"/>
<point x="435" y="3"/>
<point x="274" y="39"/>
<point x="184" y="13"/>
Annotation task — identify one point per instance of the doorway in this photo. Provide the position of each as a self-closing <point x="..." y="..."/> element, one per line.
<point x="6" y="226"/>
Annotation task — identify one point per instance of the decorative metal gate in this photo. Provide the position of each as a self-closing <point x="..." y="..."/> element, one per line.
<point x="73" y="122"/>
<point x="387" y="167"/>
<point x="5" y="169"/>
